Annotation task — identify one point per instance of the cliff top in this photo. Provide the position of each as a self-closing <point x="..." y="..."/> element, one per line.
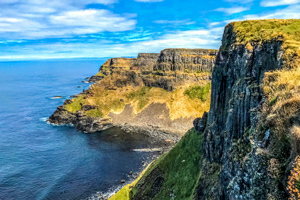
<point x="181" y="50"/>
<point x="267" y="30"/>
<point x="254" y="32"/>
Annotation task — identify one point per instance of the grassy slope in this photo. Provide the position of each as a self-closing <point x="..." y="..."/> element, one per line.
<point x="190" y="101"/>
<point x="282" y="101"/>
<point x="180" y="169"/>
<point x="282" y="92"/>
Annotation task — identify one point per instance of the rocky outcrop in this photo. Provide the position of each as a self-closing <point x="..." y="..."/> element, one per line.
<point x="116" y="64"/>
<point x="250" y="144"/>
<point x="188" y="60"/>
<point x="177" y="63"/>
<point x="146" y="61"/>
<point x="127" y="84"/>
<point x="235" y="104"/>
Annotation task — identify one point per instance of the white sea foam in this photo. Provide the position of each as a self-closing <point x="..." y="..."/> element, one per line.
<point x="69" y="125"/>
<point x="106" y="195"/>
<point x="43" y="119"/>
<point x="57" y="97"/>
<point x="148" y="150"/>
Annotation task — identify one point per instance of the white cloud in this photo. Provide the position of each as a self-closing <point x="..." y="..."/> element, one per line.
<point x="202" y="38"/>
<point x="273" y="3"/>
<point x="175" y="22"/>
<point x="232" y="10"/>
<point x="239" y="1"/>
<point x="93" y="21"/>
<point x="34" y="19"/>
<point x="19" y="25"/>
<point x="215" y="24"/>
<point x="149" y="1"/>
<point x="291" y="12"/>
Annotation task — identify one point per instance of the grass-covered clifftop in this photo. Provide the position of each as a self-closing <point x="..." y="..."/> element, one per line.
<point x="188" y="101"/>
<point x="173" y="175"/>
<point x="173" y="86"/>
<point x="262" y="31"/>
<point x="250" y="147"/>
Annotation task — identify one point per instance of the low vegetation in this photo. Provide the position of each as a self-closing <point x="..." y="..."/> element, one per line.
<point x="281" y="108"/>
<point x="76" y="104"/>
<point x="260" y="31"/>
<point x="199" y="92"/>
<point x="282" y="90"/>
<point x="178" y="170"/>
<point x="294" y="181"/>
<point x="190" y="102"/>
<point x="100" y="74"/>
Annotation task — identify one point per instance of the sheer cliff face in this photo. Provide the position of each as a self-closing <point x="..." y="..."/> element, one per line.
<point x="146" y="61"/>
<point x="235" y="102"/>
<point x="168" y="69"/>
<point x="236" y="95"/>
<point x="186" y="60"/>
<point x="114" y="64"/>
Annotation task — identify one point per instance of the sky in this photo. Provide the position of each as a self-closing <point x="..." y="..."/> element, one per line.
<point x="43" y="29"/>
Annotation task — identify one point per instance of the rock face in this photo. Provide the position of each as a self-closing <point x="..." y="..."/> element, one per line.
<point x="250" y="143"/>
<point x="146" y="61"/>
<point x="186" y="60"/>
<point x="174" y="61"/>
<point x="235" y="102"/>
<point x="182" y="68"/>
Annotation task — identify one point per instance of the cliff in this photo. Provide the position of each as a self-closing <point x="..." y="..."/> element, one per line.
<point x="250" y="143"/>
<point x="237" y="136"/>
<point x="176" y="63"/>
<point x="134" y="93"/>
<point x="196" y="60"/>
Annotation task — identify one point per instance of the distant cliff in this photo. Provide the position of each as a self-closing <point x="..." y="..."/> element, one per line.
<point x="250" y="137"/>
<point x="160" y="92"/>
<point x="186" y="60"/>
<point x="175" y="62"/>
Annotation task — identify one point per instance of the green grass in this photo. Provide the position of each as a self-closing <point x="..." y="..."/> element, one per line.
<point x="266" y="30"/>
<point x="100" y="74"/>
<point x="76" y="104"/>
<point x="199" y="92"/>
<point x="94" y="113"/>
<point x="141" y="96"/>
<point x="181" y="171"/>
<point x="181" y="167"/>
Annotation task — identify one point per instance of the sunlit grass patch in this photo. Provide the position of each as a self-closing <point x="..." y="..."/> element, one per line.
<point x="94" y="113"/>
<point x="76" y="104"/>
<point x="199" y="92"/>
<point x="180" y="169"/>
<point x="260" y="31"/>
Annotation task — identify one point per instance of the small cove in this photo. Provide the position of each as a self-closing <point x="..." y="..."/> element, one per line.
<point x="42" y="161"/>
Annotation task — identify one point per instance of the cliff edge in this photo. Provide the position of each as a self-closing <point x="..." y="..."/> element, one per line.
<point x="250" y="137"/>
<point x="161" y="93"/>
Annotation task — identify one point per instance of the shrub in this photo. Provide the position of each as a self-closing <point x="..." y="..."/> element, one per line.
<point x="94" y="113"/>
<point x="199" y="92"/>
<point x="294" y="181"/>
<point x="76" y="104"/>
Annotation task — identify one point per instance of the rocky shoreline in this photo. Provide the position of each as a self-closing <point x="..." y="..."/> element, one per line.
<point x="87" y="124"/>
<point x="164" y="72"/>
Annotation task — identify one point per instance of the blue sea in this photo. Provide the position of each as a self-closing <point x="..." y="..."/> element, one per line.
<point x="42" y="161"/>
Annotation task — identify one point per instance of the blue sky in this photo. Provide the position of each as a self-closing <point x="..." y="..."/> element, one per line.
<point x="43" y="29"/>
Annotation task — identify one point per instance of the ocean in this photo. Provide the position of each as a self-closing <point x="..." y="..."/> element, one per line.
<point x="42" y="161"/>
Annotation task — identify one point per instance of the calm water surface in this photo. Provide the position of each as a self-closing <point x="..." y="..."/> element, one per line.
<point x="41" y="161"/>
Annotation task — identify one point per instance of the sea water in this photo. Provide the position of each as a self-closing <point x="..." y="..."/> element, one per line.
<point x="42" y="161"/>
